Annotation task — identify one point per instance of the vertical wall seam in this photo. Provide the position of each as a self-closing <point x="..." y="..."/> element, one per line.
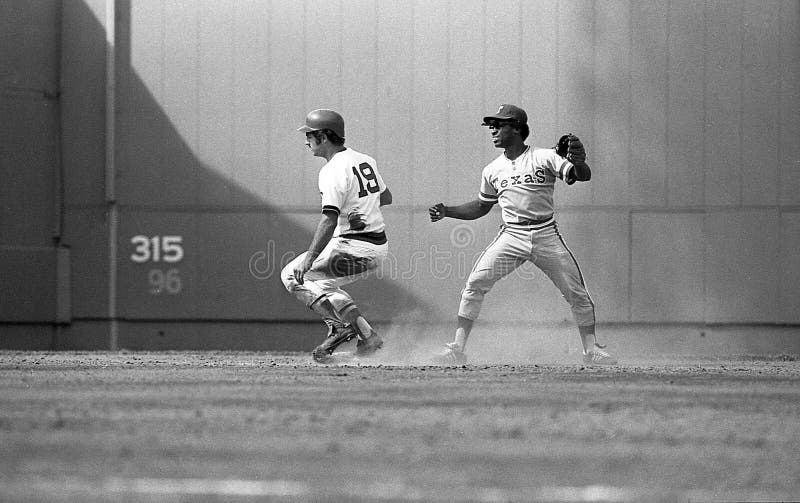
<point x="268" y="93"/>
<point x="629" y="90"/>
<point x="592" y="188"/>
<point x="110" y="171"/>
<point x="667" y="100"/>
<point x="376" y="82"/>
<point x="59" y="189"/>
<point x="630" y="154"/>
<point x="705" y="159"/>
<point x="740" y="149"/>
<point x="557" y="99"/>
<point x="198" y="53"/>
<point x="304" y="83"/>
<point x="447" y="73"/>
<point x="340" y="67"/>
<point x="779" y="132"/>
<point x="233" y="109"/>
<point x="484" y="73"/>
<point x="412" y="158"/>
<point x="521" y="39"/>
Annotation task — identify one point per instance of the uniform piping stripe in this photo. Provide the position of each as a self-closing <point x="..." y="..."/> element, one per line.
<point x="330" y="209"/>
<point x="580" y="273"/>
<point x="475" y="265"/>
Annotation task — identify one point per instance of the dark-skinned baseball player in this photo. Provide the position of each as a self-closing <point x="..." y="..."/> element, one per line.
<point x="522" y="181"/>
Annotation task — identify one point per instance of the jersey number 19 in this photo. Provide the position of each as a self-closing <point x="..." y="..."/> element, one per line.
<point x="363" y="173"/>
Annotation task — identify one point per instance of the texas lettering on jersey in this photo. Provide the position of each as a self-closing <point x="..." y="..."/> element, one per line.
<point x="537" y="176"/>
<point x="524" y="187"/>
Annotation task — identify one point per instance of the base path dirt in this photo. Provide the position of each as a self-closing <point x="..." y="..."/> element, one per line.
<point x="250" y="426"/>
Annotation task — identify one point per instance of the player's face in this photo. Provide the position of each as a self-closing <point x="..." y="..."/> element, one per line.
<point x="502" y="134"/>
<point x="314" y="143"/>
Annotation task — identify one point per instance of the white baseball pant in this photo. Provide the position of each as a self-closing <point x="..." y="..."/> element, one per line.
<point x="545" y="248"/>
<point x="343" y="261"/>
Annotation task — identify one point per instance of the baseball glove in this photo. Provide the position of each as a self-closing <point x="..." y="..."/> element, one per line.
<point x="571" y="148"/>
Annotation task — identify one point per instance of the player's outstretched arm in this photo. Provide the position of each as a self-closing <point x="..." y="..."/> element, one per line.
<point x="467" y="211"/>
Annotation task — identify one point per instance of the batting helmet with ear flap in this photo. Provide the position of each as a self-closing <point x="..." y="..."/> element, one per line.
<point x="323" y="118"/>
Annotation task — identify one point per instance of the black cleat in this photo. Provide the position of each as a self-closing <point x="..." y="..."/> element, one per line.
<point x="337" y="335"/>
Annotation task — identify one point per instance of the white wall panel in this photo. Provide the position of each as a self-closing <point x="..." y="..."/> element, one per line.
<point x="431" y="118"/>
<point x="251" y="98"/>
<point x="609" y="144"/>
<point x="760" y="86"/>
<point x="215" y="103"/>
<point x="179" y="141"/>
<point x="576" y="48"/>
<point x="600" y="241"/>
<point x="723" y="93"/>
<point x="742" y="266"/>
<point x="648" y="62"/>
<point x="675" y="102"/>
<point x="667" y="264"/>
<point x="686" y="163"/>
<point x="788" y="103"/>
<point x="539" y="66"/>
<point x="359" y="73"/>
<point x="789" y="266"/>
<point x="394" y="119"/>
<point x="293" y="179"/>
<point x="465" y="96"/>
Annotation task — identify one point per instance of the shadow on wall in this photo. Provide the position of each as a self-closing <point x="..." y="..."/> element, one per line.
<point x="195" y="245"/>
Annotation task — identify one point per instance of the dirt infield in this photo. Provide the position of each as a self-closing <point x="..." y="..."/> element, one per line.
<point x="218" y="426"/>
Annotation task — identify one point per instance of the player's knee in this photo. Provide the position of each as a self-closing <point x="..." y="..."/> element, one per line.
<point x="287" y="277"/>
<point x="473" y="293"/>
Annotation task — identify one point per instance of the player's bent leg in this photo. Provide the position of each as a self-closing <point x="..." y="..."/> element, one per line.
<point x="559" y="264"/>
<point x="307" y="292"/>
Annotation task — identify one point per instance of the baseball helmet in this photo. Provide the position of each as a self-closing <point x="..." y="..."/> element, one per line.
<point x="323" y="118"/>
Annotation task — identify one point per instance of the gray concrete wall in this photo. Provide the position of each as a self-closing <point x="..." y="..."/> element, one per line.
<point x="689" y="111"/>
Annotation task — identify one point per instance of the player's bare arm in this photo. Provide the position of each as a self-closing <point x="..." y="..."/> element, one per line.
<point x="467" y="211"/>
<point x="386" y="197"/>
<point x="322" y="236"/>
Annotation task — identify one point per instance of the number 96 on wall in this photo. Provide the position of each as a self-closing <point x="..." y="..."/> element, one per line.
<point x="158" y="250"/>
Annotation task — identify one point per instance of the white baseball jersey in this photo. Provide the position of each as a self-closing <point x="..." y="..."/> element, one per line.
<point x="350" y="186"/>
<point x="524" y="187"/>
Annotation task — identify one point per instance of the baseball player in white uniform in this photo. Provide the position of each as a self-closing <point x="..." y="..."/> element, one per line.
<point x="522" y="180"/>
<point x="350" y="240"/>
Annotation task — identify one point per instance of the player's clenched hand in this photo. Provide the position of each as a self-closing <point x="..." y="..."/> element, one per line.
<point x="437" y="212"/>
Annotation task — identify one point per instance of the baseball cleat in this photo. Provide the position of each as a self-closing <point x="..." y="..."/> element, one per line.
<point x="367" y="347"/>
<point x="598" y="356"/>
<point x="337" y="335"/>
<point x="452" y="355"/>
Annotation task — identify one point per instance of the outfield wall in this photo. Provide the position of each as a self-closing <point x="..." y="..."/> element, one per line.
<point x="153" y="177"/>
